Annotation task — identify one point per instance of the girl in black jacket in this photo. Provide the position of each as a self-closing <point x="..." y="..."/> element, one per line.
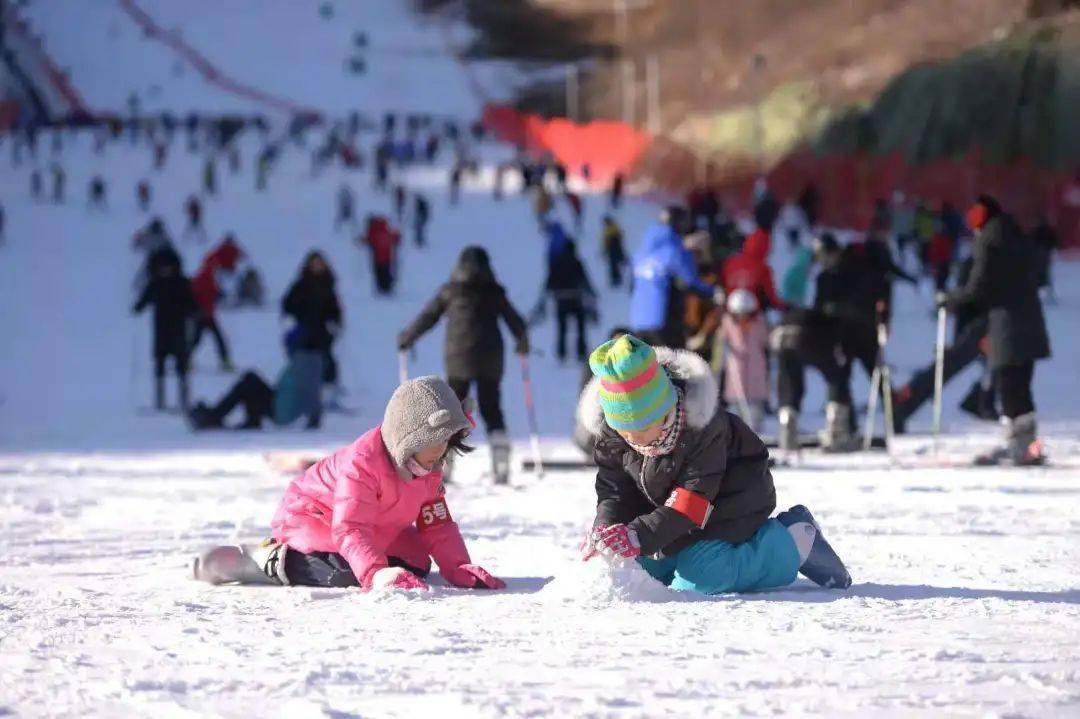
<point x="473" y="303"/>
<point x="312" y="301"/>
<point x="684" y="487"/>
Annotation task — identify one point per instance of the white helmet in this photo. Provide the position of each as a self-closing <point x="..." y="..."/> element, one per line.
<point x="742" y="302"/>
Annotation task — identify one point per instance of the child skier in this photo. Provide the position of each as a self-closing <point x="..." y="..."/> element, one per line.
<point x="373" y="514"/>
<point x="473" y="302"/>
<point x="383" y="240"/>
<point x="684" y="487"/>
<point x="746" y="372"/>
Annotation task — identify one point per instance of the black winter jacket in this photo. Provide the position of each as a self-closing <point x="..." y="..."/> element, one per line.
<point x="174" y="305"/>
<point x="717" y="456"/>
<point x="1004" y="281"/>
<point x="313" y="303"/>
<point x="473" y="303"/>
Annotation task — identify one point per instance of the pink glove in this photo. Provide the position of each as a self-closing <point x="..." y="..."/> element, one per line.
<point x="588" y="546"/>
<point x="470" y="576"/>
<point x="396" y="578"/>
<point x="618" y="540"/>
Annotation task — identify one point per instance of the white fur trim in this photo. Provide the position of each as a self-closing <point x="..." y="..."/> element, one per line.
<point x="700" y="388"/>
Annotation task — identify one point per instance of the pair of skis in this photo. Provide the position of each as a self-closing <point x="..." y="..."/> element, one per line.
<point x="530" y="407"/>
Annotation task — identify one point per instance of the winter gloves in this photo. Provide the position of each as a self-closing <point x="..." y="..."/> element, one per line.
<point x="471" y="576"/>
<point x="467" y="576"/>
<point x="395" y="578"/>
<point x="616" y="540"/>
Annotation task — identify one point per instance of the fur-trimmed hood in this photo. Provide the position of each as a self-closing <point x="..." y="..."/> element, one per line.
<point x="701" y="392"/>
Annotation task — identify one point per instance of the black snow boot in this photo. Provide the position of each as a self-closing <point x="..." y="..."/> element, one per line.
<point x="202" y="417"/>
<point x="979" y="403"/>
<point x="1021" y="446"/>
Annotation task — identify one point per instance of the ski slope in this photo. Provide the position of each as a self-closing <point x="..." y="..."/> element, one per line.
<point x="965" y="599"/>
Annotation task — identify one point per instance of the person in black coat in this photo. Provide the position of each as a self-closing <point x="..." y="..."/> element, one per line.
<point x="575" y="300"/>
<point x="174" y="308"/>
<point x="473" y="303"/>
<point x="1004" y="281"/>
<point x="312" y="301"/>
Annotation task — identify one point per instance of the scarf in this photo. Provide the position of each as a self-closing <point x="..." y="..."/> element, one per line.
<point x="673" y="427"/>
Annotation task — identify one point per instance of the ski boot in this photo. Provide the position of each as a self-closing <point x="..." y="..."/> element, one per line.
<point x="901" y="401"/>
<point x="788" y="439"/>
<point x="820" y="563"/>
<point x="979" y="403"/>
<point x="202" y="417"/>
<point x="243" y="564"/>
<point x="1021" y="447"/>
<point x="500" y="456"/>
<point x="838" y="436"/>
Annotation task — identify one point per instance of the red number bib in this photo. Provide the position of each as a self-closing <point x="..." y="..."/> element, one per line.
<point x="433" y="514"/>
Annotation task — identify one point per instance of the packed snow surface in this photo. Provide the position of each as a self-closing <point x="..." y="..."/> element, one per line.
<point x="966" y="595"/>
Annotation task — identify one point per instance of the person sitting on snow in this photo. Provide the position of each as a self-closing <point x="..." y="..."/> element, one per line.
<point x="684" y="487"/>
<point x="373" y="514"/>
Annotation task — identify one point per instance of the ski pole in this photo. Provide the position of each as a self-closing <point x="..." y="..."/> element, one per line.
<point x="530" y="413"/>
<point x="403" y="366"/>
<point x="939" y="371"/>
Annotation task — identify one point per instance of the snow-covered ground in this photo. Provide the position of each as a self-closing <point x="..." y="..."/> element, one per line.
<point x="965" y="599"/>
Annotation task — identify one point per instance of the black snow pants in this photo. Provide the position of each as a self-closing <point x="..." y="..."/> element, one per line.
<point x="254" y="394"/>
<point x="329" y="569"/>
<point x="210" y="323"/>
<point x="963" y="351"/>
<point x="565" y="311"/>
<point x="488" y="396"/>
<point x="1014" y="386"/>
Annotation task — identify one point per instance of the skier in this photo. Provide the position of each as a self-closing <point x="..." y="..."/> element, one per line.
<point x="383" y="153"/>
<point x="577" y="208"/>
<point x="702" y="315"/>
<point x="383" y="241"/>
<point x="59" y="178"/>
<point x="205" y="286"/>
<point x="373" y="514"/>
<point x="683" y="487"/>
<point x="455" y="182"/>
<point x="568" y="284"/>
<point x="193" y="210"/>
<point x="346" y="202"/>
<point x="663" y="270"/>
<point x="295" y="395"/>
<point x="96" y="199"/>
<point x="313" y="304"/>
<point x="421" y="216"/>
<point x="614" y="251"/>
<point x="473" y="302"/>
<point x="1004" y="279"/>
<point x="35" y="185"/>
<point x="746" y="372"/>
<point x="209" y="177"/>
<point x="174" y="305"/>
<point x="749" y="270"/>
<point x="399" y="203"/>
<point x="161" y="151"/>
<point x="142" y="195"/>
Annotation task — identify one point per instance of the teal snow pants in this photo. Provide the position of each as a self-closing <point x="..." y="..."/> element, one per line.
<point x="768" y="559"/>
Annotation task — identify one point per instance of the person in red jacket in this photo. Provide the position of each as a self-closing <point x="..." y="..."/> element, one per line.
<point x="383" y="240"/>
<point x="749" y="270"/>
<point x="205" y="287"/>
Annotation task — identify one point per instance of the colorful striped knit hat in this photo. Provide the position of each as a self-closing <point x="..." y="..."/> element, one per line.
<point x="635" y="391"/>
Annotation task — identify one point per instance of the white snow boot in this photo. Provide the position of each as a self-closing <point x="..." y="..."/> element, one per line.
<point x="500" y="456"/>
<point x="1021" y="446"/>
<point x="788" y="440"/>
<point x="243" y="564"/>
<point x="837" y="436"/>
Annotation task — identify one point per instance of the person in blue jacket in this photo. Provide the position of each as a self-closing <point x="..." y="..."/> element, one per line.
<point x="663" y="270"/>
<point x="296" y="394"/>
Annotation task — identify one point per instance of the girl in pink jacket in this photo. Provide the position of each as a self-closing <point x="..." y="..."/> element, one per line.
<point x="372" y="514"/>
<point x="746" y="372"/>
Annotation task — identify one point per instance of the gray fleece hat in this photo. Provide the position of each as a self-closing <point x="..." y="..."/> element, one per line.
<point x="422" y="411"/>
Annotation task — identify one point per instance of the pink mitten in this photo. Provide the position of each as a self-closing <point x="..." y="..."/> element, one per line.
<point x="588" y="547"/>
<point x="397" y="578"/>
<point x="618" y="540"/>
<point x="470" y="576"/>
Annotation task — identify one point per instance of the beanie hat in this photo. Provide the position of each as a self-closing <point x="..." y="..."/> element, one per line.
<point x="421" y="412"/>
<point x="635" y="391"/>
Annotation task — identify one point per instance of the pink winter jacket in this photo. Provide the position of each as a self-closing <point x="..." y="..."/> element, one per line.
<point x="355" y="503"/>
<point x="745" y="367"/>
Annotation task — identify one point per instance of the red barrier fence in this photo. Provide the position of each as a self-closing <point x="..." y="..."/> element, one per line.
<point x="848" y="185"/>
